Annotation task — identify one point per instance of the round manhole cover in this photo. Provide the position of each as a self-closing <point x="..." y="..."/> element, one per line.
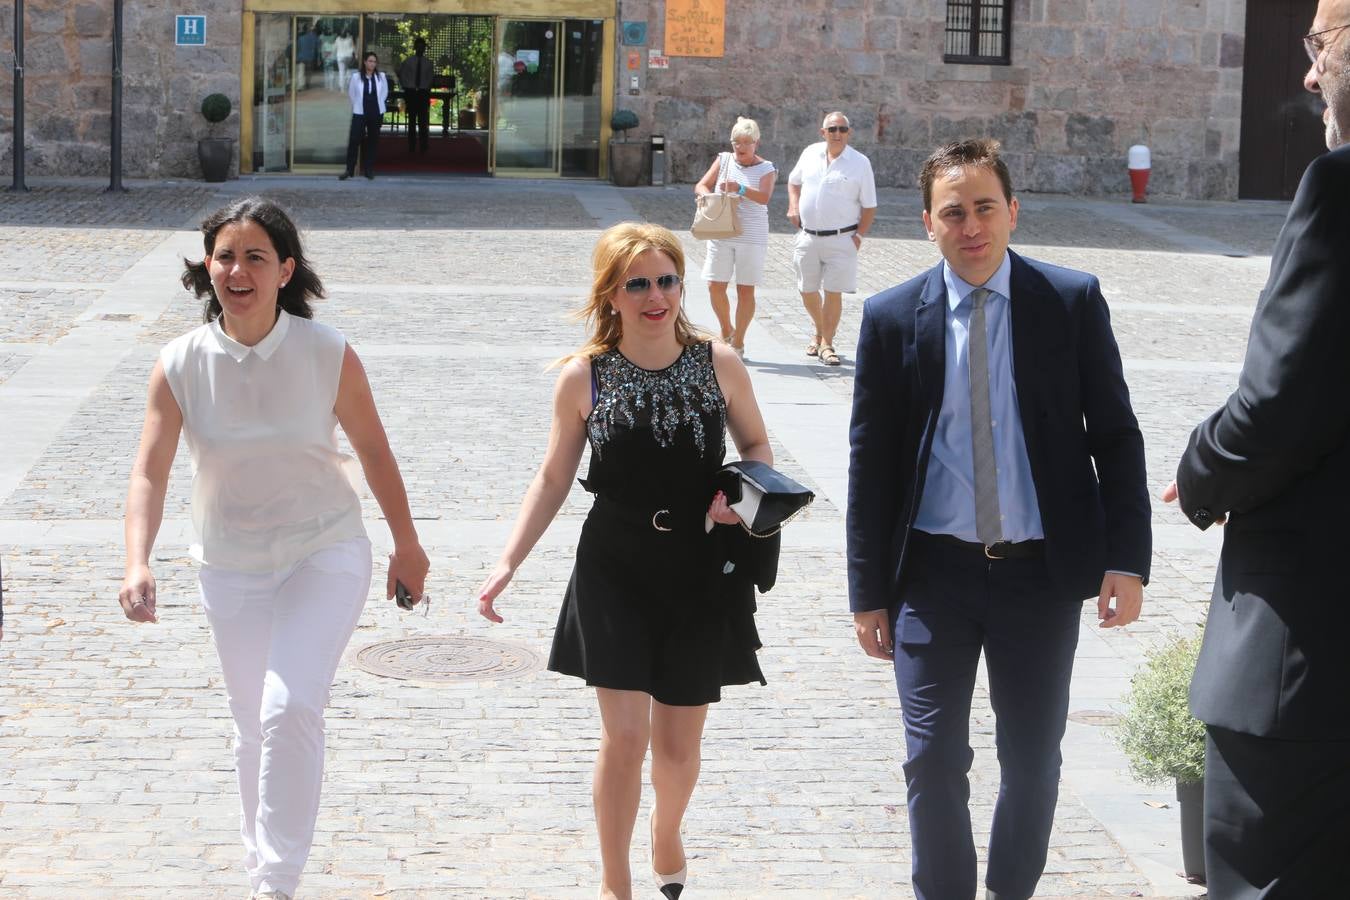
<point x="446" y="659"/>
<point x="1094" y="717"/>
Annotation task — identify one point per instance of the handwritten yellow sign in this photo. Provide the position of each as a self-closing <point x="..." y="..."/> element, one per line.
<point x="695" y="27"/>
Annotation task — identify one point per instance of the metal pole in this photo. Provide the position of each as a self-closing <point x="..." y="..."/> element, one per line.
<point x="116" y="163"/>
<point x="18" y="184"/>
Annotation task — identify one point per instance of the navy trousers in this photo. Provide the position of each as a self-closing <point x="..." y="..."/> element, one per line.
<point x="956" y="604"/>
<point x="363" y="136"/>
<point x="418" y="106"/>
<point x="1277" y="817"/>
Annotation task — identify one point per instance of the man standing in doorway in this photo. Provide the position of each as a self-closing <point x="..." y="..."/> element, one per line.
<point x="414" y="76"/>
<point x="832" y="198"/>
<point x="996" y="480"/>
<point x="1274" y="463"/>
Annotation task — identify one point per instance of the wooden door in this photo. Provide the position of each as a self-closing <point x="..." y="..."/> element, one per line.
<point x="1281" y="122"/>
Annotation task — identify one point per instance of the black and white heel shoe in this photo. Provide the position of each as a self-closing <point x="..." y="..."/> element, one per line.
<point x="672" y="885"/>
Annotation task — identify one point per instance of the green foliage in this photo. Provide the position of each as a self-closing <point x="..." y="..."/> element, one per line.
<point x="408" y="34"/>
<point x="1163" y="741"/>
<point x="622" y="120"/>
<point x="472" y="70"/>
<point x="216" y="108"/>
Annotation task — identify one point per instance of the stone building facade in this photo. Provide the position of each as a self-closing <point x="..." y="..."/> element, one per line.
<point x="1086" y="79"/>
<point x="68" y="69"/>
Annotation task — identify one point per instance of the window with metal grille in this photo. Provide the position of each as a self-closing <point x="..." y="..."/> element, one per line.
<point x="978" y="31"/>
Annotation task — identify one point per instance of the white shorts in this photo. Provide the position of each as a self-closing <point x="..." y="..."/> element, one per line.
<point x="734" y="261"/>
<point x="830" y="262"/>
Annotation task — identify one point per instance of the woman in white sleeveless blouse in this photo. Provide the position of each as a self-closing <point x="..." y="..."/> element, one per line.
<point x="739" y="259"/>
<point x="285" y="566"/>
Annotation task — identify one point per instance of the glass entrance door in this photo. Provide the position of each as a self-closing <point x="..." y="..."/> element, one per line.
<point x="325" y="58"/>
<point x="301" y="113"/>
<point x="528" y="110"/>
<point x="272" y="93"/>
<point x="582" y="88"/>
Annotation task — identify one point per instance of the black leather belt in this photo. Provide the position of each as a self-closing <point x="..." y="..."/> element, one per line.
<point x="831" y="231"/>
<point x="1001" y="550"/>
<point x="660" y="517"/>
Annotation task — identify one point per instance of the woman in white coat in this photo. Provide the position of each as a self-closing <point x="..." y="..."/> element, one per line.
<point x="368" y="90"/>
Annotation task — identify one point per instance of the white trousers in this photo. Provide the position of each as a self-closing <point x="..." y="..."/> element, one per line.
<point x="280" y="636"/>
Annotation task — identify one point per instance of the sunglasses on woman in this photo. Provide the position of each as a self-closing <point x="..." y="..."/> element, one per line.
<point x="642" y="284"/>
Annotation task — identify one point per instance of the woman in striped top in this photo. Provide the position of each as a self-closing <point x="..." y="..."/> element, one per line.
<point x="739" y="259"/>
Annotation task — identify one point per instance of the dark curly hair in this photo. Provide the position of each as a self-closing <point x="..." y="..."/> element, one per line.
<point x="302" y="287"/>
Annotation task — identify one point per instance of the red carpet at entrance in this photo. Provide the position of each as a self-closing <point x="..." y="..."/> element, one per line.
<point x="459" y="153"/>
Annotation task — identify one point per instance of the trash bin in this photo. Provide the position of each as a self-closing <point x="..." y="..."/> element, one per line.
<point x="658" y="159"/>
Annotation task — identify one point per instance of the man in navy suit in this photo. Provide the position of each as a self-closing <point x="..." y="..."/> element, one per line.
<point x="1273" y="676"/>
<point x="996" y="480"/>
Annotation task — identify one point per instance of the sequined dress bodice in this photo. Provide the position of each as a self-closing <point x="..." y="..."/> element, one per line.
<point x="656" y="435"/>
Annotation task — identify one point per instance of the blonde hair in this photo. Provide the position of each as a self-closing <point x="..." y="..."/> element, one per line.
<point x="618" y="248"/>
<point x="745" y="128"/>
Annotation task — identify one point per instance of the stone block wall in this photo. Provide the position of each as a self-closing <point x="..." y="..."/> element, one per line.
<point x="68" y="86"/>
<point x="1088" y="79"/>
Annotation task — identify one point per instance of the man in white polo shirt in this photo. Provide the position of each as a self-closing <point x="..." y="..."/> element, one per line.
<point x="832" y="198"/>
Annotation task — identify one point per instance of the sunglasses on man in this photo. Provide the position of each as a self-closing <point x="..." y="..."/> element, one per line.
<point x="837" y="129"/>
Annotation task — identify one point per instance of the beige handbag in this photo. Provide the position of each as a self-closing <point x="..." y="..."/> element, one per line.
<point x="717" y="215"/>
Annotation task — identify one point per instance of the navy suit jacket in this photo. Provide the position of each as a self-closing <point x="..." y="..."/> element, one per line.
<point x="1276" y="460"/>
<point x="1083" y="441"/>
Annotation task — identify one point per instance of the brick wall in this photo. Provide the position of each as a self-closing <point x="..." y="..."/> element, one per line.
<point x="68" y="88"/>
<point x="1088" y="79"/>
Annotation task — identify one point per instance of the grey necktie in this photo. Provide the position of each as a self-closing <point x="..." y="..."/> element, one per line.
<point x="988" y="524"/>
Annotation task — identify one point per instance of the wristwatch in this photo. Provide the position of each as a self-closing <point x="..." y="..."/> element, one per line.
<point x="741" y="191"/>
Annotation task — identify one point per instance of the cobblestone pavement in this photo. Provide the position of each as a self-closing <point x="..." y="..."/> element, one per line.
<point x="115" y="773"/>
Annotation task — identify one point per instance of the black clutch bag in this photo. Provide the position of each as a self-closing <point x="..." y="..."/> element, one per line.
<point x="762" y="496"/>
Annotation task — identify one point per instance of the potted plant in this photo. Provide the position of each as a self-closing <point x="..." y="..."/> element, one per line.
<point x="625" y="159"/>
<point x="215" y="153"/>
<point x="1165" y="743"/>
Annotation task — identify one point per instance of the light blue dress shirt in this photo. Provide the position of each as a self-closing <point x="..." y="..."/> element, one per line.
<point x="948" y="502"/>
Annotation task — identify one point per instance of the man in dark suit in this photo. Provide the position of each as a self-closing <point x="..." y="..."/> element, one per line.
<point x="996" y="480"/>
<point x="414" y="76"/>
<point x="1273" y="681"/>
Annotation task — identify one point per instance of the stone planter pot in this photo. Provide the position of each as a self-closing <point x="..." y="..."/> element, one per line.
<point x="1191" y="801"/>
<point x="215" y="155"/>
<point x="625" y="162"/>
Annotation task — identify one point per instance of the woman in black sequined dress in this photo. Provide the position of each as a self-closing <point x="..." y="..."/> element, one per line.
<point x="658" y="614"/>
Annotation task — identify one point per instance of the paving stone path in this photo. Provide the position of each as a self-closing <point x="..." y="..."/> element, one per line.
<point x="115" y="772"/>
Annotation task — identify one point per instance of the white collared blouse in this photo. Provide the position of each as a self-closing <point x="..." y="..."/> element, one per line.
<point x="269" y="485"/>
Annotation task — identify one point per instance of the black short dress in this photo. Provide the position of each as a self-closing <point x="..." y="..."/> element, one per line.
<point x="656" y="603"/>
